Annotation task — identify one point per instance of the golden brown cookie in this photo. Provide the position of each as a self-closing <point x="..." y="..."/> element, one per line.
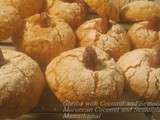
<point x="85" y="75"/>
<point x="104" y="8"/>
<point x="26" y="7"/>
<point x="90" y="31"/>
<point x="142" y="72"/>
<point x="10" y="21"/>
<point x="140" y="11"/>
<point x="21" y="84"/>
<point x="121" y="3"/>
<point x="72" y="12"/>
<point x="44" y="38"/>
<point x="144" y="34"/>
<point x="95" y="32"/>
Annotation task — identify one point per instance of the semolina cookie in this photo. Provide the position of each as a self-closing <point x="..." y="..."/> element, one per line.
<point x="144" y="35"/>
<point x="104" y="8"/>
<point x="73" y="13"/>
<point x="21" y="84"/>
<point x="142" y="72"/>
<point x="115" y="42"/>
<point x="91" y="30"/>
<point x="95" y="33"/>
<point x="44" y="38"/>
<point x="10" y="21"/>
<point x="140" y="11"/>
<point x="26" y="7"/>
<point x="121" y="3"/>
<point x="85" y="75"/>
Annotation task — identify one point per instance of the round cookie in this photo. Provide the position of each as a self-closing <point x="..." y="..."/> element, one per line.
<point x="86" y="75"/>
<point x="104" y="8"/>
<point x="10" y="21"/>
<point x="74" y="13"/>
<point x="95" y="32"/>
<point x="145" y="34"/>
<point x="140" y="11"/>
<point x="26" y="7"/>
<point x="44" y="38"/>
<point x="142" y="72"/>
<point x="21" y="84"/>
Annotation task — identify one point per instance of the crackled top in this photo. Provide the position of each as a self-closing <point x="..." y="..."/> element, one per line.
<point x="72" y="77"/>
<point x="96" y="32"/>
<point x="104" y="8"/>
<point x="142" y="72"/>
<point x="25" y="7"/>
<point x="43" y="37"/>
<point x="21" y="84"/>
<point x="73" y="12"/>
<point x="145" y="34"/>
<point x="10" y="21"/>
<point x="140" y="11"/>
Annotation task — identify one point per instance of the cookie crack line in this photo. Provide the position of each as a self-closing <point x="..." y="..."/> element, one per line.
<point x="75" y="91"/>
<point x="116" y="87"/>
<point x="21" y="71"/>
<point x="56" y="64"/>
<point x="96" y="81"/>
<point x="130" y="77"/>
<point x="147" y="80"/>
<point x="157" y="87"/>
<point x="26" y="77"/>
<point x="60" y="38"/>
<point x="135" y="66"/>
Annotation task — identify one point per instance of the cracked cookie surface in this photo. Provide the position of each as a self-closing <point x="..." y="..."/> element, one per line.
<point x="95" y="32"/>
<point x="21" y="84"/>
<point x="121" y="3"/>
<point x="104" y="8"/>
<point x="141" y="69"/>
<point x="70" y="80"/>
<point x="143" y="35"/>
<point x="140" y="11"/>
<point x="10" y="21"/>
<point x="72" y="12"/>
<point x="26" y="8"/>
<point x="43" y="38"/>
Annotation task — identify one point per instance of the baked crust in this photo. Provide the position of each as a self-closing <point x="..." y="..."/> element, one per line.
<point x="142" y="72"/>
<point x="70" y="80"/>
<point x="95" y="32"/>
<point x="26" y="7"/>
<point x="43" y="43"/>
<point x="104" y="8"/>
<point x="10" y="21"/>
<point x="142" y="36"/>
<point x="21" y="84"/>
<point x="140" y="11"/>
<point x="73" y="13"/>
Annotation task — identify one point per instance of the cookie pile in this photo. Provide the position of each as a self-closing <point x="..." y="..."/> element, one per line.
<point x="87" y="52"/>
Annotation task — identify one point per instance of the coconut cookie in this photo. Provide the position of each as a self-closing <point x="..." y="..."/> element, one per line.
<point x="95" y="32"/>
<point x="104" y="8"/>
<point x="142" y="72"/>
<point x="121" y="3"/>
<point x="140" y="11"/>
<point x="26" y="7"/>
<point x="10" y="21"/>
<point x="86" y="75"/>
<point x="21" y="84"/>
<point x="145" y="34"/>
<point x="44" y="38"/>
<point x="73" y="13"/>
